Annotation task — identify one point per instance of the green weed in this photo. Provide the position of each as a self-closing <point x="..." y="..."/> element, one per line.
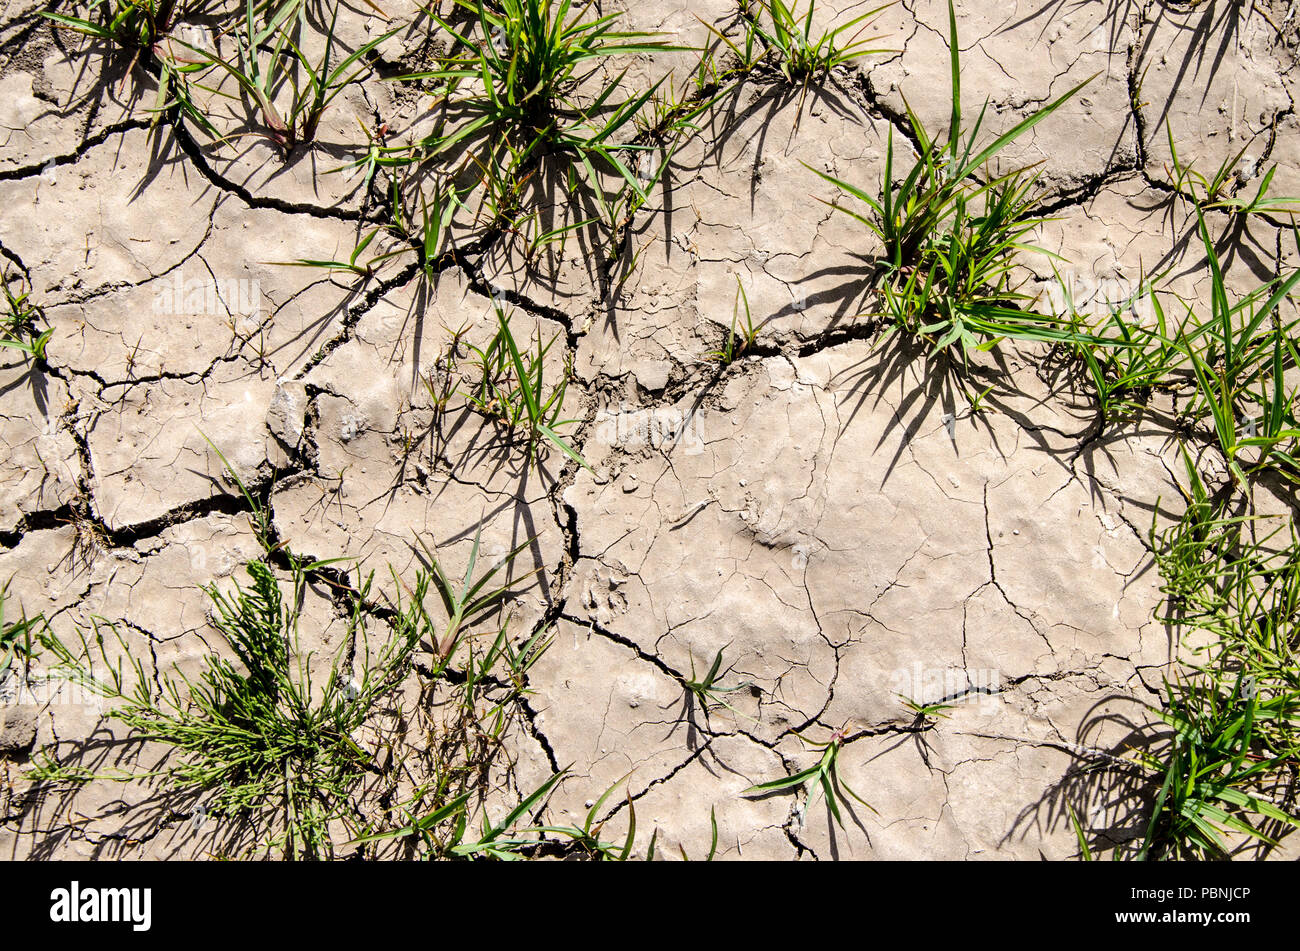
<point x="787" y="36"/>
<point x="925" y="711"/>
<point x="512" y="390"/>
<point x="19" y="320"/>
<point x="269" y="59"/>
<point x="1233" y="748"/>
<point x="267" y="744"/>
<point x="18" y="639"/>
<point x="706" y="691"/>
<point x="261" y="740"/>
<point x="513" y="92"/>
<point x="822" y="777"/>
<point x="736" y="345"/>
<point x="1222" y="191"/>
<point x="143" y="30"/>
<point x="1238" y="356"/>
<point x="950" y="239"/>
<point x="1124" y="360"/>
<point x="1217" y="769"/>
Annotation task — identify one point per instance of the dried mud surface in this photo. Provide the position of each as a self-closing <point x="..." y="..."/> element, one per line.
<point x="834" y="514"/>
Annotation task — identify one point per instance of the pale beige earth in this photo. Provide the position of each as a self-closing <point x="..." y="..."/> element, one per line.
<point x="831" y="512"/>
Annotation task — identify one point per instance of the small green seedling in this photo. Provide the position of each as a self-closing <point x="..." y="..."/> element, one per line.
<point x="17" y="638"/>
<point x="350" y="265"/>
<point x="925" y="711"/>
<point x="587" y="836"/>
<point x="18" y="322"/>
<point x="311" y="88"/>
<point x="259" y="517"/>
<point x="473" y="598"/>
<point x="144" y="30"/>
<point x="1222" y="190"/>
<point x="713" y="840"/>
<point x="823" y="778"/>
<point x="734" y="347"/>
<point x="511" y="389"/>
<point x="977" y="399"/>
<point x="705" y="691"/>
<point x="1085" y="851"/>
<point x="1124" y="360"/>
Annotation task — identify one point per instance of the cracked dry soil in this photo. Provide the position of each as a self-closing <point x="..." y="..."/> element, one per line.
<point x="833" y="514"/>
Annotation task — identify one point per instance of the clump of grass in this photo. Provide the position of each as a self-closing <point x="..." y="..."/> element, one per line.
<point x="512" y="92"/>
<point x="442" y="832"/>
<point x="1224" y="189"/>
<point x="800" y="55"/>
<point x="1228" y="765"/>
<point x="780" y="35"/>
<point x="269" y="65"/>
<point x="1124" y="360"/>
<point x="803" y="58"/>
<point x="511" y="389"/>
<point x="20" y="319"/>
<point x="526" y="112"/>
<point x="268" y="744"/>
<point x="143" y="30"/>
<point x="1230" y="364"/>
<point x="472" y="599"/>
<point x="135" y="25"/>
<point x="1227" y="575"/>
<point x="270" y="60"/>
<point x="1217" y="770"/>
<point x="1239" y="356"/>
<point x="950" y="238"/>
<point x="261" y="740"/>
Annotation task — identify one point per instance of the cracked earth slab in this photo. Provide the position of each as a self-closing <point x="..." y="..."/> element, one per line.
<point x="872" y="540"/>
<point x="830" y="513"/>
